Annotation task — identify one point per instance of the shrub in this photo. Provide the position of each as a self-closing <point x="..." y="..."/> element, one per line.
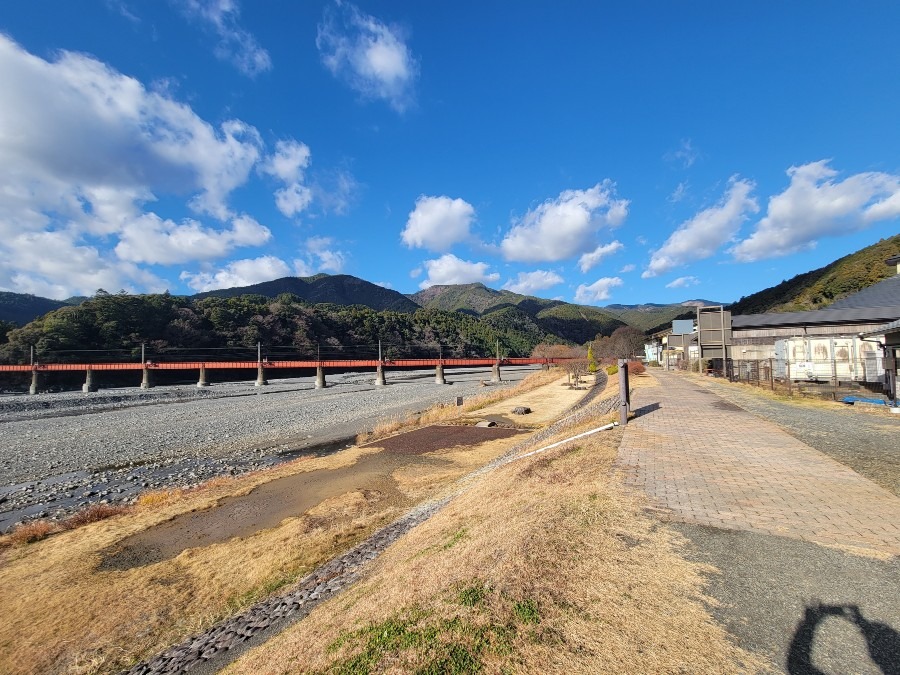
<point x="92" y="514"/>
<point x="636" y="367"/>
<point x="612" y="370"/>
<point x="35" y="530"/>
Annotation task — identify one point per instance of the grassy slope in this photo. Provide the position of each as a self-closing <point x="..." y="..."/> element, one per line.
<point x="544" y="565"/>
<point x="819" y="288"/>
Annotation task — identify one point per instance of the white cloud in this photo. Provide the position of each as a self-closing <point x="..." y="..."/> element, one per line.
<point x="288" y="163"/>
<point x="597" y="291"/>
<point x="384" y="284"/>
<point x="335" y="191"/>
<point x="84" y="149"/>
<point x="53" y="265"/>
<point x="628" y="268"/>
<point x="589" y="260"/>
<point x="686" y="154"/>
<point x="369" y="55"/>
<point x="701" y="236"/>
<point x="319" y="255"/>
<point x="448" y="269"/>
<point x="150" y="239"/>
<point x="815" y="205"/>
<point x="238" y="273"/>
<point x="436" y="223"/>
<point x="683" y="282"/>
<point x="566" y="226"/>
<point x="415" y="272"/>
<point x="529" y="282"/>
<point x="679" y="193"/>
<point x="236" y="45"/>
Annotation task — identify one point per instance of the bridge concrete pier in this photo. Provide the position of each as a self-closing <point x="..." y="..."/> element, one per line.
<point x="320" y="377"/>
<point x="35" y="383"/>
<point x="439" y="374"/>
<point x="145" y="381"/>
<point x="202" y="382"/>
<point x="379" y="376"/>
<point x="261" y="380"/>
<point x="495" y="374"/>
<point x="88" y="385"/>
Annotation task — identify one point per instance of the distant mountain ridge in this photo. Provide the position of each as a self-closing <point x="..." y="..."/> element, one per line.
<point x="650" y="317"/>
<point x="20" y="308"/>
<point x="337" y="289"/>
<point x="575" y="323"/>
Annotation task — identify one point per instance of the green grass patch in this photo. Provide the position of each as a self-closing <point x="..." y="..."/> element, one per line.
<point x="526" y="611"/>
<point x="455" y="538"/>
<point x="427" y="643"/>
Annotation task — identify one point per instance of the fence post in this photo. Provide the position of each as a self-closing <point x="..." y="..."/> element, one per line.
<point x="771" y="374"/>
<point x="623" y="392"/>
<point x="787" y="377"/>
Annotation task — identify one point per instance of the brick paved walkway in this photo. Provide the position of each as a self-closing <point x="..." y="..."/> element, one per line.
<point x="707" y="461"/>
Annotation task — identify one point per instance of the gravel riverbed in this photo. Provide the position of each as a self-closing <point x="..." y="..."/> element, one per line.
<point x="60" y="452"/>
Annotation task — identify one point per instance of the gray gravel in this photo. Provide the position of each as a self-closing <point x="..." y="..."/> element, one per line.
<point x="866" y="441"/>
<point x="60" y="452"/>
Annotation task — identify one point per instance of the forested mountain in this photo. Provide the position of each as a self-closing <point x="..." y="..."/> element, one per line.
<point x="648" y="317"/>
<point x="574" y="323"/>
<point x="819" y="288"/>
<point x="338" y="289"/>
<point x="288" y="327"/>
<point x="20" y="308"/>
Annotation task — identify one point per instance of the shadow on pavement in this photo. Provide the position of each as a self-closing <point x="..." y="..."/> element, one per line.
<point x="646" y="410"/>
<point x="882" y="641"/>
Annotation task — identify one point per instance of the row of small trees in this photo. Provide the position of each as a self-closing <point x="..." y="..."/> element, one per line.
<point x="625" y="342"/>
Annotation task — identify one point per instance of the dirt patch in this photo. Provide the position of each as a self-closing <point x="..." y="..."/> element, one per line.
<point x="441" y="437"/>
<point x="291" y="496"/>
<point x="263" y="508"/>
<point x="725" y="405"/>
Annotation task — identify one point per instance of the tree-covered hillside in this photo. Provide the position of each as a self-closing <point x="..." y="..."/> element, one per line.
<point x="117" y="325"/>
<point x="20" y="308"/>
<point x="819" y="288"/>
<point x="338" y="289"/>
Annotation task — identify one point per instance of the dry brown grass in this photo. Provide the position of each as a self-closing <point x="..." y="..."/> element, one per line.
<point x="545" y="565"/>
<point x="96" y="621"/>
<point x="30" y="532"/>
<point x="92" y="514"/>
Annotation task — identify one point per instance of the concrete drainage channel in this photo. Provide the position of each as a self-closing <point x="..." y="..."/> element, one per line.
<point x="222" y="644"/>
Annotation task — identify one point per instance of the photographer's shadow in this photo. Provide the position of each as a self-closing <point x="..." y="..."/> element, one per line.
<point x="882" y="641"/>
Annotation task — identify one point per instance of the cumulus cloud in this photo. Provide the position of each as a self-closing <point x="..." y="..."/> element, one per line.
<point x="54" y="265"/>
<point x="238" y="273"/>
<point x="589" y="260"/>
<point x="368" y="55"/>
<point x="564" y="227"/>
<point x="84" y="150"/>
<point x="236" y="45"/>
<point x="627" y="268"/>
<point x="597" y="291"/>
<point x="815" y="205"/>
<point x="287" y="164"/>
<point x="436" y="223"/>
<point x="448" y="269"/>
<point x="683" y="282"/>
<point x="150" y="239"/>
<point x="703" y="235"/>
<point x="320" y="255"/>
<point x="529" y="282"/>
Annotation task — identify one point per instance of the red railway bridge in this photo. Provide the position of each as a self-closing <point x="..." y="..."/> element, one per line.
<point x="263" y="366"/>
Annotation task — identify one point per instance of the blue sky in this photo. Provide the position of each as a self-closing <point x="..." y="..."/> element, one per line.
<point x="593" y="152"/>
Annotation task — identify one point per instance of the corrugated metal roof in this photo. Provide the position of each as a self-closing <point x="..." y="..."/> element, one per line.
<point x="891" y="327"/>
<point x="883" y="294"/>
<point x="818" y="317"/>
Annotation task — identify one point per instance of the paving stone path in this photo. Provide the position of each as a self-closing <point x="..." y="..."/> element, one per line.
<point x="704" y="460"/>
